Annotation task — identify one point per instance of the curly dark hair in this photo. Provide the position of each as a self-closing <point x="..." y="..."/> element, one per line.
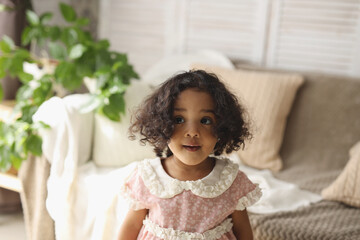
<point x="155" y="120"/>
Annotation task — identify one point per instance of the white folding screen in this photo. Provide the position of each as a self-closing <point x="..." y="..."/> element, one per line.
<point x="305" y="35"/>
<point x="150" y="30"/>
<point x="137" y="27"/>
<point x="315" y="35"/>
<point x="236" y="28"/>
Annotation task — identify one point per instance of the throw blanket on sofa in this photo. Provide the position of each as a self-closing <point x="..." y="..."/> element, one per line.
<point x="325" y="220"/>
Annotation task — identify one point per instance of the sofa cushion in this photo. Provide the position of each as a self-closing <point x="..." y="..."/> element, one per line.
<point x="268" y="98"/>
<point x="323" y="125"/>
<point x="346" y="187"/>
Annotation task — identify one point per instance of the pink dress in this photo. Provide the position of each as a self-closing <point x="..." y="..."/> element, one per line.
<point x="189" y="209"/>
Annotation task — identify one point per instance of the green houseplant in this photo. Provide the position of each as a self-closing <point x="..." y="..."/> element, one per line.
<point x="75" y="55"/>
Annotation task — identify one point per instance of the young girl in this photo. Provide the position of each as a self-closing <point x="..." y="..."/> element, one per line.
<point x="191" y="193"/>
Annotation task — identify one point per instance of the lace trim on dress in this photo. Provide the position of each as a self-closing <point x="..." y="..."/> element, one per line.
<point x="198" y="187"/>
<point x="172" y="234"/>
<point x="249" y="199"/>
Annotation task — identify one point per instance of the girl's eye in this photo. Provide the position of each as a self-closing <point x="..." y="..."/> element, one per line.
<point x="206" y="121"/>
<point x="179" y="120"/>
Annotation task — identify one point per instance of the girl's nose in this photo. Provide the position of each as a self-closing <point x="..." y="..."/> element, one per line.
<point x="192" y="130"/>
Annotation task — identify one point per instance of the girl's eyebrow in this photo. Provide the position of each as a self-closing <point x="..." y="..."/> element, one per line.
<point x="202" y="110"/>
<point x="208" y="111"/>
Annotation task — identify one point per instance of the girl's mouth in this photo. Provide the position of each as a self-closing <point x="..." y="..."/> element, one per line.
<point x="191" y="148"/>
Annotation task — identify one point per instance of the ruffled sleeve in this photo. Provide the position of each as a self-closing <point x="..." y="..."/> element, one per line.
<point x="135" y="192"/>
<point x="248" y="193"/>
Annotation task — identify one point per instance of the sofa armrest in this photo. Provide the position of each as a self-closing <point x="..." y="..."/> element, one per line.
<point x="33" y="175"/>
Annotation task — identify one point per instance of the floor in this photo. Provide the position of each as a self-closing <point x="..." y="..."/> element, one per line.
<point x="12" y="226"/>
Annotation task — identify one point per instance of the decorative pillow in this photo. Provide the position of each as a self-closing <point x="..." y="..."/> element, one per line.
<point x="346" y="187"/>
<point x="112" y="147"/>
<point x="268" y="98"/>
<point x="172" y="64"/>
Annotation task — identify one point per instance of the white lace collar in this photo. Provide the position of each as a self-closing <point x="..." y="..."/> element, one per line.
<point x="162" y="185"/>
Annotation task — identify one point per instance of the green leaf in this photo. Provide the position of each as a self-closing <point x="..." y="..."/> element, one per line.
<point x="69" y="37"/>
<point x="16" y="66"/>
<point x="2" y="130"/>
<point x="45" y="17"/>
<point x="5" y="48"/>
<point x="42" y="92"/>
<point x="120" y="57"/>
<point x="68" y="12"/>
<point x="1" y="93"/>
<point x="109" y="113"/>
<point x="87" y="37"/>
<point x="54" y="33"/>
<point x="5" y="8"/>
<point x="28" y="35"/>
<point x="106" y="69"/>
<point x="22" y="53"/>
<point x="25" y="36"/>
<point x="33" y="144"/>
<point x="82" y="22"/>
<point x="115" y="107"/>
<point x="2" y="72"/>
<point x="103" y="59"/>
<point x="16" y="161"/>
<point x="84" y="68"/>
<point x="27" y="113"/>
<point x="77" y="51"/>
<point x="25" y="77"/>
<point x="24" y="93"/>
<point x="103" y="44"/>
<point x="116" y="65"/>
<point x="42" y="35"/>
<point x="103" y="76"/>
<point x="95" y="102"/>
<point x="57" y="51"/>
<point x="5" y="162"/>
<point x="39" y="125"/>
<point x="117" y="85"/>
<point x="118" y="102"/>
<point x="2" y="67"/>
<point x="65" y="73"/>
<point x="7" y="44"/>
<point x="32" y="18"/>
<point x="19" y="147"/>
<point x="6" y="63"/>
<point x="63" y="70"/>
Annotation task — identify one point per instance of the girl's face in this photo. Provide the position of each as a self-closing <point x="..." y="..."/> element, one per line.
<point x="193" y="138"/>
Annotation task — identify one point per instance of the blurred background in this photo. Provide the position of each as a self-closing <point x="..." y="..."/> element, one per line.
<point x="305" y="35"/>
<point x="320" y="36"/>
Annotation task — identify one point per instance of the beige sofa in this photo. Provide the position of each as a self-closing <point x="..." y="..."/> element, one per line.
<point x="322" y="126"/>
